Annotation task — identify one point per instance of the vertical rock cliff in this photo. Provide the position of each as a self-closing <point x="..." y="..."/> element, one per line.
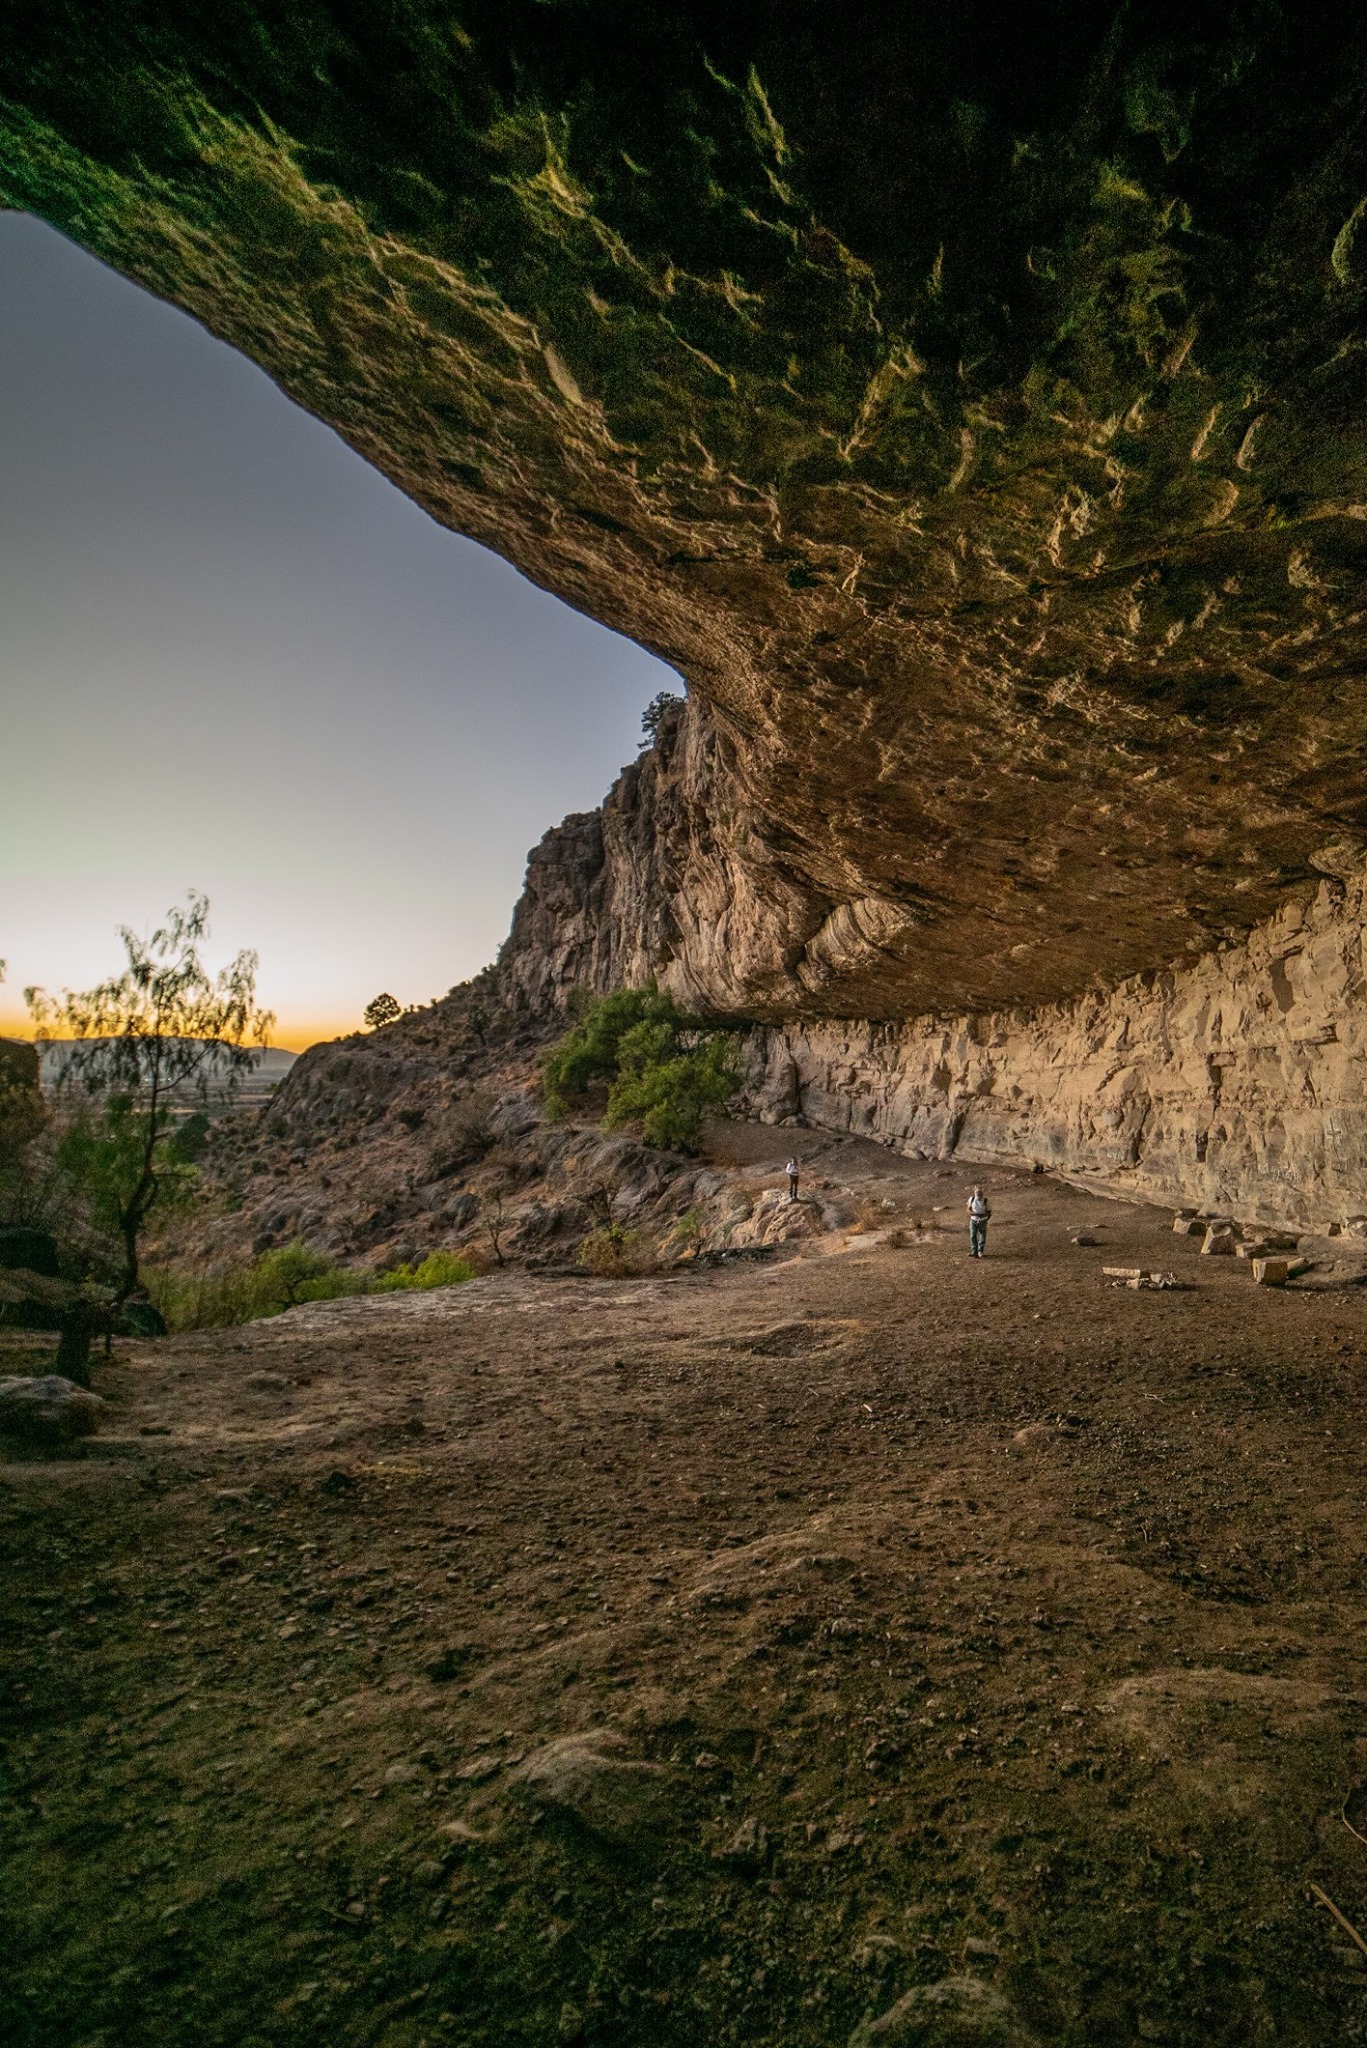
<point x="1238" y="1080"/>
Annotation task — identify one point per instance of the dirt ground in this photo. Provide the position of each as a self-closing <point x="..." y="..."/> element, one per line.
<point x="865" y="1645"/>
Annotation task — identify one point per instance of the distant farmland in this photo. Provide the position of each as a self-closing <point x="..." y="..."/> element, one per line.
<point x="269" y="1067"/>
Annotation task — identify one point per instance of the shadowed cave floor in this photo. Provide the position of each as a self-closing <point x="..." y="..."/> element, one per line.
<point x="980" y="1621"/>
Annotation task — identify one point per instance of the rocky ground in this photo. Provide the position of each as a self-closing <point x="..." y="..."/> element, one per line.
<point x="424" y="1137"/>
<point x="859" y="1645"/>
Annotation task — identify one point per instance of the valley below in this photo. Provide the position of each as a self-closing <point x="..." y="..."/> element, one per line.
<point x="853" y="1643"/>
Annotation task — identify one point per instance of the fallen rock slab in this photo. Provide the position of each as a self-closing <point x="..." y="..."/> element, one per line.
<point x="1140" y="1276"/>
<point x="592" y="1779"/>
<point x="958" y="2012"/>
<point x="48" y="1409"/>
<point x="1272" y="1271"/>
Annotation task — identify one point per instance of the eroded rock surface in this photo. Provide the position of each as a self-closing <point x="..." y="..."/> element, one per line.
<point x="1237" y="1081"/>
<point x="973" y="417"/>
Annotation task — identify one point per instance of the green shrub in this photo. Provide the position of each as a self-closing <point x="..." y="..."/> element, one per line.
<point x="219" y="1298"/>
<point x="589" y="1052"/>
<point x="297" y="1273"/>
<point x="615" y="1250"/>
<point x="663" y="1067"/>
<point x="438" y="1269"/>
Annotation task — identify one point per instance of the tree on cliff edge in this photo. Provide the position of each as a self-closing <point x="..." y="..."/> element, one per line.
<point x="383" y="1009"/>
<point x="161" y="1030"/>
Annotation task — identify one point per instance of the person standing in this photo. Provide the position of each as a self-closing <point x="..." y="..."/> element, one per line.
<point x="792" y="1172"/>
<point x="979" y="1211"/>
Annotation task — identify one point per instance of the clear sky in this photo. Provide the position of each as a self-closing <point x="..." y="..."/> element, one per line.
<point x="234" y="658"/>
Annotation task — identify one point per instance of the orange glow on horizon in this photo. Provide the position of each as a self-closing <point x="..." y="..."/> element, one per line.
<point x="289" y="1035"/>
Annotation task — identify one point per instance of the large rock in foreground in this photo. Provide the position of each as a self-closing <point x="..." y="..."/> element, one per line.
<point x="590" y="1778"/>
<point x="958" y="2012"/>
<point x="48" y="1409"/>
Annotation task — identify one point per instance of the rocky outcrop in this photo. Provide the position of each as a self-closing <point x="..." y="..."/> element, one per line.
<point x="1236" y="1081"/>
<point x="1239" y="1083"/>
<point x="974" y="419"/>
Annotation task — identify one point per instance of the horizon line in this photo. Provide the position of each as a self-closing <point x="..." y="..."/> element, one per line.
<point x="296" y="1039"/>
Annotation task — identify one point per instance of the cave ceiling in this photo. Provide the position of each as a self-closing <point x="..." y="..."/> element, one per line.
<point x="968" y="402"/>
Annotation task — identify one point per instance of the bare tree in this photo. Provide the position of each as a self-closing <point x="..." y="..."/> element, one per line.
<point x="494" y="1210"/>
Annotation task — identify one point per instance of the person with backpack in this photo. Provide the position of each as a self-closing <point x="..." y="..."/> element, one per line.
<point x="979" y="1211"/>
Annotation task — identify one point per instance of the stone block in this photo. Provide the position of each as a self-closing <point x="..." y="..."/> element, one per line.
<point x="48" y="1410"/>
<point x="1271" y="1272"/>
<point x="1218" y="1242"/>
<point x="1188" y="1226"/>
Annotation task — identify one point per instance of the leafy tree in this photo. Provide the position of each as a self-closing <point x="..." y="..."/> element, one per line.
<point x="663" y="1066"/>
<point x="23" y="1113"/>
<point x="290" y="1273"/>
<point x="382" y="1010"/>
<point x="22" y="1109"/>
<point x="162" y="1029"/>
<point x="655" y="714"/>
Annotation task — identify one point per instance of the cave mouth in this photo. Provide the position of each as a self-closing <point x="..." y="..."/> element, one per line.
<point x="973" y="420"/>
<point x="200" y="576"/>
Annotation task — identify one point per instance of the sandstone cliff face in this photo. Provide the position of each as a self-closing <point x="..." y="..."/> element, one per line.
<point x="1239" y="1083"/>
<point x="970" y="409"/>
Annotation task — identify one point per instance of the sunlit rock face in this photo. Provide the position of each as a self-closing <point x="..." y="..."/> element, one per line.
<point x="1236" y="1083"/>
<point x="968" y="401"/>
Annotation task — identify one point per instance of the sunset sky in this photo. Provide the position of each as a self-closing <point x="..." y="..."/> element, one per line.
<point x="234" y="658"/>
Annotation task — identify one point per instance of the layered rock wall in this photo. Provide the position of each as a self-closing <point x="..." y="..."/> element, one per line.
<point x="1238" y="1083"/>
<point x="1239" y="1080"/>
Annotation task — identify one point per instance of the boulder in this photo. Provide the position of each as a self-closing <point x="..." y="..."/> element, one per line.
<point x="747" y="1848"/>
<point x="1219" y="1242"/>
<point x="958" y="2012"/>
<point x="48" y="1409"/>
<point x="591" y="1779"/>
<point x="1271" y="1272"/>
<point x="33" y="1251"/>
<point x="142" y="1318"/>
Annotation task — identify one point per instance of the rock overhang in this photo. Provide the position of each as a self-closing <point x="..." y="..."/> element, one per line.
<point x="970" y="410"/>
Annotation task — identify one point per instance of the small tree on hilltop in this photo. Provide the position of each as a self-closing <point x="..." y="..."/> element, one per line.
<point x="655" y="714"/>
<point x="160" y="1031"/>
<point x="383" y="1010"/>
